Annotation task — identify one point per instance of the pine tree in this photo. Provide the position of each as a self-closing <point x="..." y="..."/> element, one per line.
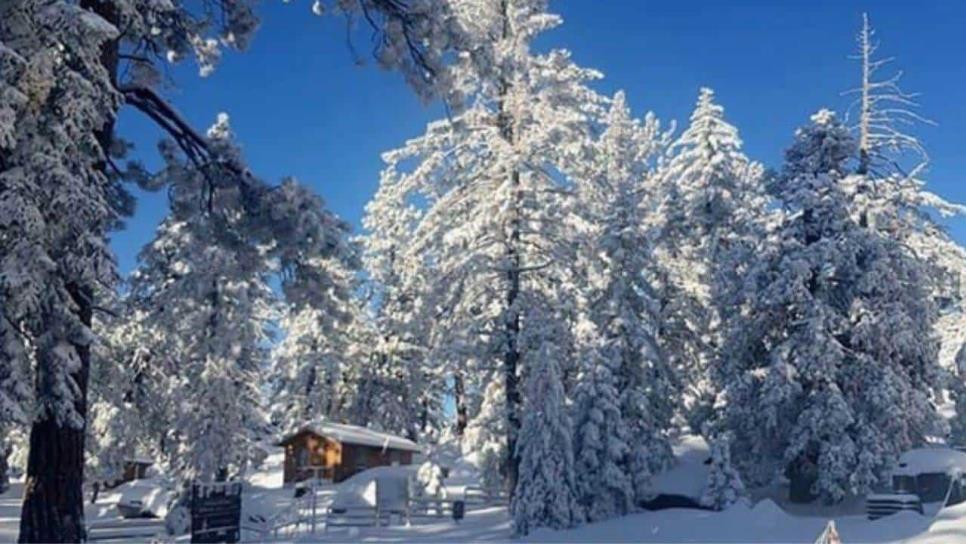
<point x="310" y="363"/>
<point x="204" y="303"/>
<point x="618" y="263"/>
<point x="710" y="201"/>
<point x="485" y="437"/>
<point x="724" y="486"/>
<point x="603" y="485"/>
<point x="475" y="199"/>
<point x="545" y="494"/>
<point x="829" y="367"/>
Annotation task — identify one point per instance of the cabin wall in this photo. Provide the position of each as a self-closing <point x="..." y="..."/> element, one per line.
<point x="307" y="450"/>
<point x="356" y="458"/>
<point x="340" y="461"/>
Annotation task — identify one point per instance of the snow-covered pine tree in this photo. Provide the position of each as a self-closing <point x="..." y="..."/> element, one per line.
<point x="829" y="367"/>
<point x="308" y="369"/>
<point x="202" y="291"/>
<point x="601" y="443"/>
<point x="545" y="494"/>
<point x="891" y="197"/>
<point x="309" y="363"/>
<point x="710" y="198"/>
<point x="613" y="201"/>
<point x="56" y="205"/>
<point x="117" y="429"/>
<point x="401" y="386"/>
<point x="481" y="196"/>
<point x="724" y="486"/>
<point x="206" y="307"/>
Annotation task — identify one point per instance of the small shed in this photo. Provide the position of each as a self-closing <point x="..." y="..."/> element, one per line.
<point x="336" y="451"/>
<point x="931" y="473"/>
<point x="132" y="469"/>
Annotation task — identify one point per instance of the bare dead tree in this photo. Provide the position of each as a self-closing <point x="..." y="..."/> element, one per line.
<point x="885" y="111"/>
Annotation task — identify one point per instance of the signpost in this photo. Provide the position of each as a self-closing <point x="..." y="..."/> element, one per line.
<point x="216" y="512"/>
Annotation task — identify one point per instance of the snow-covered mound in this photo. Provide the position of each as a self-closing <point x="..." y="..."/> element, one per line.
<point x="689" y="474"/>
<point x="391" y="483"/>
<point x="151" y="496"/>
<point x="928" y="460"/>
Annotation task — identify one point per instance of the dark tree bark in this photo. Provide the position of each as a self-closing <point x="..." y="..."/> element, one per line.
<point x="462" y="411"/>
<point x="53" y="504"/>
<point x="511" y="354"/>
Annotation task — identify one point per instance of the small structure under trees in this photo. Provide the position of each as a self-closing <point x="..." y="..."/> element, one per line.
<point x="336" y="451"/>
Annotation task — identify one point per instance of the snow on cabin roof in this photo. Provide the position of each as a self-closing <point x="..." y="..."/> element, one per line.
<point x="354" y="434"/>
<point x="931" y="460"/>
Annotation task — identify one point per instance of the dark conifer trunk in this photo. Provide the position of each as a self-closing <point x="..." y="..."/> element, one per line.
<point x="53" y="504"/>
<point x="462" y="411"/>
<point x="511" y="354"/>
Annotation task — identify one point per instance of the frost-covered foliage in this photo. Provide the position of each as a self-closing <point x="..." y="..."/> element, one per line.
<point x="117" y="429"/>
<point x="56" y="203"/>
<point x="545" y="494"/>
<point x="309" y="364"/>
<point x="204" y="306"/>
<point x="485" y="437"/>
<point x="603" y="482"/>
<point x="617" y="262"/>
<point x="309" y="368"/>
<point x="479" y="202"/>
<point x="829" y="367"/>
<point x="710" y="201"/>
<point x="415" y="37"/>
<point x="724" y="486"/>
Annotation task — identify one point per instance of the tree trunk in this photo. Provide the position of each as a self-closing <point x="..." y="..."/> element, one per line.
<point x="511" y="355"/>
<point x="53" y="503"/>
<point x="462" y="411"/>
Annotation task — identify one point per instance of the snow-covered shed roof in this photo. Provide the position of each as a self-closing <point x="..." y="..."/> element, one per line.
<point x="931" y="460"/>
<point x="354" y="434"/>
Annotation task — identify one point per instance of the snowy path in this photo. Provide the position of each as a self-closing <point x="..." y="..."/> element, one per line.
<point x="103" y="514"/>
<point x="765" y="523"/>
<point x="10" y="513"/>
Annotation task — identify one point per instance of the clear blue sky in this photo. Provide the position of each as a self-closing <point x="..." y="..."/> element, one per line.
<point x="301" y="106"/>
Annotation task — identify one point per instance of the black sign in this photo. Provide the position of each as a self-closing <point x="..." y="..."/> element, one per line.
<point x="459" y="510"/>
<point x="216" y="512"/>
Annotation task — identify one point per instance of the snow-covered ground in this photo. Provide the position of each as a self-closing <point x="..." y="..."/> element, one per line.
<point x="764" y="522"/>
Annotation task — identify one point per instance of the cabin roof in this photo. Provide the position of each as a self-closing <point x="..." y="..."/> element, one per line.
<point x="354" y="434"/>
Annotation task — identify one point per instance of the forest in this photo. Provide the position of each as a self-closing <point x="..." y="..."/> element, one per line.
<point x="545" y="281"/>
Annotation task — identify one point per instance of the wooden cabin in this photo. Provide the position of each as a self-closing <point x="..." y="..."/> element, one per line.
<point x="336" y="451"/>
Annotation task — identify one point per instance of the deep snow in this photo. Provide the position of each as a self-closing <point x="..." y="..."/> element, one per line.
<point x="761" y="523"/>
